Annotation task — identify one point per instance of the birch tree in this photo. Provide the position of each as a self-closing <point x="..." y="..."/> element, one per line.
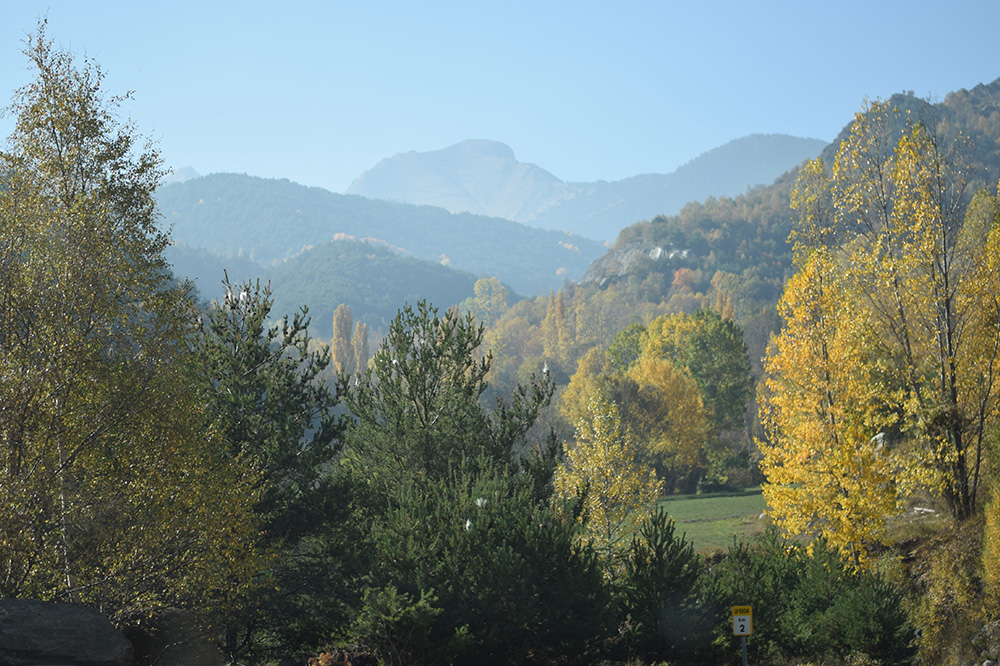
<point x="111" y="492"/>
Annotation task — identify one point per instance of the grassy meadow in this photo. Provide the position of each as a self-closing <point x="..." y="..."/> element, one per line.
<point x="711" y="521"/>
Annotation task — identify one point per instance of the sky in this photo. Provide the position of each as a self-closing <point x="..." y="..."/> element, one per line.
<point x="319" y="92"/>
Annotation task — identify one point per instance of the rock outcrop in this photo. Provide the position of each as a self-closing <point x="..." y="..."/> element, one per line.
<point x="36" y="633"/>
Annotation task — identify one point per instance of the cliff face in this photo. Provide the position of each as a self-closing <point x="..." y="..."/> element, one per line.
<point x="621" y="261"/>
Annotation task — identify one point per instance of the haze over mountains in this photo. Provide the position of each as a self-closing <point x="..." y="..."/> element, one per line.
<point x="276" y="229"/>
<point x="484" y="178"/>
<point x="238" y="218"/>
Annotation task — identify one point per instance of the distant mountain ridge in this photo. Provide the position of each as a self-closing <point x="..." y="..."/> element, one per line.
<point x="270" y="221"/>
<point x="475" y="176"/>
<point x="485" y="178"/>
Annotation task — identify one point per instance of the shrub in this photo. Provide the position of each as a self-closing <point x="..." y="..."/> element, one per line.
<point x="656" y="592"/>
<point x="807" y="602"/>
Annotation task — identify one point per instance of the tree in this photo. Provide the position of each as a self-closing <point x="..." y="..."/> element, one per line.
<point x="453" y="540"/>
<point x="827" y="471"/>
<point x="491" y="300"/>
<point x="558" y="330"/>
<point x="113" y="492"/>
<point x="417" y="406"/>
<point x="712" y="350"/>
<point x="644" y="373"/>
<point x="343" y="353"/>
<point x="920" y="258"/>
<point x="605" y="467"/>
<point x="261" y="392"/>
<point x="664" y="409"/>
<point x="658" y="591"/>
<point x="589" y="379"/>
<point x="262" y="388"/>
<point x="881" y="382"/>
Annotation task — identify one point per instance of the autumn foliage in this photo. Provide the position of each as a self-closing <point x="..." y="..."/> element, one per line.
<point x="882" y="381"/>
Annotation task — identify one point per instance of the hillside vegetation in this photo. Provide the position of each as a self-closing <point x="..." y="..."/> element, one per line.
<point x="487" y="487"/>
<point x="269" y="221"/>
<point x="372" y="281"/>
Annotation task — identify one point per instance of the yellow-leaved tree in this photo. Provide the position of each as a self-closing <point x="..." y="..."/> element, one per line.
<point x="606" y="468"/>
<point x="828" y="472"/>
<point x="882" y="381"/>
<point x="589" y="380"/>
<point x="919" y="263"/>
<point x="666" y="411"/>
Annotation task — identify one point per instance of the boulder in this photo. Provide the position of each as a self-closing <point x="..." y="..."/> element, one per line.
<point x="36" y="633"/>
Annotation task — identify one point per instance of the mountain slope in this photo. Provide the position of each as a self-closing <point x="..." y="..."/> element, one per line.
<point x="476" y="176"/>
<point x="484" y="177"/>
<point x="737" y="247"/>
<point x="272" y="220"/>
<point x="374" y="281"/>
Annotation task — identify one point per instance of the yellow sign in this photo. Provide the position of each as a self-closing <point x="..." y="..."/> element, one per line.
<point x="742" y="620"/>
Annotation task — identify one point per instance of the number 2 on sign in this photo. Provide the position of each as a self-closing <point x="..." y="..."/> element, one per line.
<point x="742" y="620"/>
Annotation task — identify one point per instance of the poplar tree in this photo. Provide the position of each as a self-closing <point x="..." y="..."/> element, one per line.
<point x="882" y="382"/>
<point x="343" y="355"/>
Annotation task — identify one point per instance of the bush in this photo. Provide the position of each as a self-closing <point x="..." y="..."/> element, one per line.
<point x="656" y="592"/>
<point x="807" y="603"/>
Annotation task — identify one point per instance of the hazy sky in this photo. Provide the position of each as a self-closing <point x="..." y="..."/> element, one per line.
<point x="318" y="92"/>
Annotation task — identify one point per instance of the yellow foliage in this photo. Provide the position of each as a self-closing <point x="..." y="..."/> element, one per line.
<point x="666" y="335"/>
<point x="584" y="384"/>
<point x="669" y="414"/>
<point x="827" y="462"/>
<point x="883" y="380"/>
<point x="605" y="467"/>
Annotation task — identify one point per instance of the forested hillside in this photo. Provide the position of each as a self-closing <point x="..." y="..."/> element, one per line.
<point x="370" y="279"/>
<point x="270" y="221"/>
<point x="373" y="281"/>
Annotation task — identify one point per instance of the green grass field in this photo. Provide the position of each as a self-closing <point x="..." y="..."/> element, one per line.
<point x="711" y="521"/>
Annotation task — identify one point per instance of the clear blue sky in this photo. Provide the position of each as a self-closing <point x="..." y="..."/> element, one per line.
<point x="318" y="92"/>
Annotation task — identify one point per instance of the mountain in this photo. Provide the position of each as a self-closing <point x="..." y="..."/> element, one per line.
<point x="269" y="221"/>
<point x="747" y="234"/>
<point x="484" y="177"/>
<point x="373" y="281"/>
<point x="737" y="247"/>
<point x="476" y="176"/>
